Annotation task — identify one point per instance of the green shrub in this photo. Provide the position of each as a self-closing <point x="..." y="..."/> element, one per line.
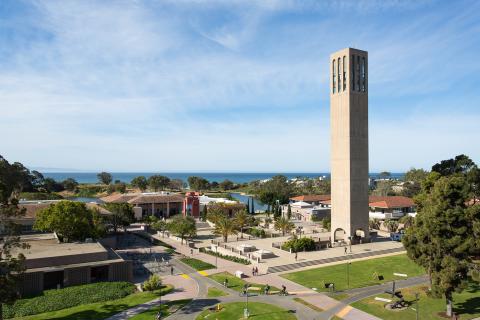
<point x="230" y="258"/>
<point x="258" y="233"/>
<point x="57" y="299"/>
<point x="40" y="196"/>
<point x="302" y="244"/>
<point x="153" y="283"/>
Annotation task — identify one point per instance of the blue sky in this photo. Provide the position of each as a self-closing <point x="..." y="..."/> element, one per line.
<point x="187" y="85"/>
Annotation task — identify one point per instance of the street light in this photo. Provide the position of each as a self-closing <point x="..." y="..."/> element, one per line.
<point x="348" y="274"/>
<point x="245" y="311"/>
<point x="416" y="302"/>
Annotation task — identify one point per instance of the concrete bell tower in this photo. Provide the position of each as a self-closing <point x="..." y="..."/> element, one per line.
<point x="349" y="145"/>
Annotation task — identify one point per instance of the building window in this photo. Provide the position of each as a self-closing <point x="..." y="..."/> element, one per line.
<point x="363" y="74"/>
<point x="353" y="73"/>
<point x="357" y="86"/>
<point x="344" y="75"/>
<point x="339" y="76"/>
<point x="334" y="76"/>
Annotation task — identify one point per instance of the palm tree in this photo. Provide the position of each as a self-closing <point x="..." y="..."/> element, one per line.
<point x="407" y="221"/>
<point x="374" y="224"/>
<point x="215" y="213"/>
<point x="241" y="220"/>
<point x="392" y="225"/>
<point x="284" y="225"/>
<point x="225" y="227"/>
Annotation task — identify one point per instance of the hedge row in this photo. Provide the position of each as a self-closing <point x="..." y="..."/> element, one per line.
<point x="230" y="258"/>
<point x="57" y="299"/>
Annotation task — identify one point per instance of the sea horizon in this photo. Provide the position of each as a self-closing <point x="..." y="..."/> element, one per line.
<point x="236" y="177"/>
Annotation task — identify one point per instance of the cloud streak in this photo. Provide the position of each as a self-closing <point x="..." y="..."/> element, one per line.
<point x="195" y="85"/>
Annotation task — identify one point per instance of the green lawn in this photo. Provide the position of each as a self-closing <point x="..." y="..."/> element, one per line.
<point x="308" y="304"/>
<point x="100" y="310"/>
<point x="166" y="308"/>
<point x="258" y="311"/>
<point x="214" y="292"/>
<point x="361" y="273"/>
<point x="237" y="283"/>
<point x="466" y="304"/>
<point x="197" y="264"/>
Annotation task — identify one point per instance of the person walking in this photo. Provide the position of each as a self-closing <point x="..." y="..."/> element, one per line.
<point x="296" y="256"/>
<point x="171" y="270"/>
<point x="256" y="271"/>
<point x="345" y="250"/>
<point x="253" y="271"/>
<point x="266" y="289"/>
<point x="225" y="283"/>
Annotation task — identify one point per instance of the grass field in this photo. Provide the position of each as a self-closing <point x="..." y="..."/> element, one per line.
<point x="167" y="309"/>
<point x="197" y="264"/>
<point x="466" y="304"/>
<point x="100" y="310"/>
<point x="214" y="292"/>
<point x="237" y="283"/>
<point x="258" y="311"/>
<point x="361" y="273"/>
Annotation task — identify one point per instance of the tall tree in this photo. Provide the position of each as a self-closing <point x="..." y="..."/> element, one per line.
<point x="253" y="207"/>
<point x="198" y="183"/>
<point x="284" y="225"/>
<point x="176" y="184"/>
<point x="140" y="182"/>
<point x="184" y="228"/>
<point x="160" y="225"/>
<point x="225" y="227"/>
<point x="226" y="184"/>
<point x="72" y="221"/>
<point x="276" y="189"/>
<point x="459" y="164"/>
<point x="70" y="184"/>
<point x="122" y="215"/>
<point x="104" y="177"/>
<point x="157" y="182"/>
<point x="12" y="266"/>
<point x="442" y="236"/>
<point x="241" y="220"/>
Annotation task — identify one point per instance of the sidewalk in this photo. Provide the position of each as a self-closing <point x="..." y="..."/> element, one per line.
<point x="184" y="288"/>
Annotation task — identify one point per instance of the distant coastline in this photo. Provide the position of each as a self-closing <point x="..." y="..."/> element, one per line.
<point x="91" y="177"/>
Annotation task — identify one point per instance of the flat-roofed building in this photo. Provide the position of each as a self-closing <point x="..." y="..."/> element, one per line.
<point x="159" y="204"/>
<point x="33" y="207"/>
<point x="51" y="264"/>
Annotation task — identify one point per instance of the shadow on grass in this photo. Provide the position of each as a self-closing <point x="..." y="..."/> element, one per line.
<point x="105" y="312"/>
<point x="199" y="305"/>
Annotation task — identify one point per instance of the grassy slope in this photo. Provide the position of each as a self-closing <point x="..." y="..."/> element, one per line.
<point x="197" y="264"/>
<point x="167" y="309"/>
<point x="467" y="304"/>
<point x="100" y="310"/>
<point x="258" y="311"/>
<point x="214" y="292"/>
<point x="361" y="273"/>
<point x="236" y="283"/>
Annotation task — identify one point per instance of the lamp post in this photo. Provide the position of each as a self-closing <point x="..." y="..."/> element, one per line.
<point x="348" y="274"/>
<point x="416" y="302"/>
<point x="245" y="311"/>
<point x="216" y="254"/>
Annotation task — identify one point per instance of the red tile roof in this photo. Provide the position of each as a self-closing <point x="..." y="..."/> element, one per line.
<point x="311" y="197"/>
<point x="390" y="202"/>
<point x="374" y="201"/>
<point x="139" y="198"/>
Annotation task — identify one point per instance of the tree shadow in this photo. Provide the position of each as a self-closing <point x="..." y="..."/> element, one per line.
<point x="198" y="305"/>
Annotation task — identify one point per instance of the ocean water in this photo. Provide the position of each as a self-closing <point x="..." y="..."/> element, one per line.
<point x="91" y="177"/>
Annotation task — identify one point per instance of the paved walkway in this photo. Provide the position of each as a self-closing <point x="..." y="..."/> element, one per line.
<point x="185" y="288"/>
<point x="195" y="285"/>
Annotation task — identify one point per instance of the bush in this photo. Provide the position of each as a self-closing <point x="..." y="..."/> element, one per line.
<point x="259" y="233"/>
<point x="153" y="283"/>
<point x="302" y="244"/>
<point x="57" y="299"/>
<point x="40" y="196"/>
<point x="230" y="258"/>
